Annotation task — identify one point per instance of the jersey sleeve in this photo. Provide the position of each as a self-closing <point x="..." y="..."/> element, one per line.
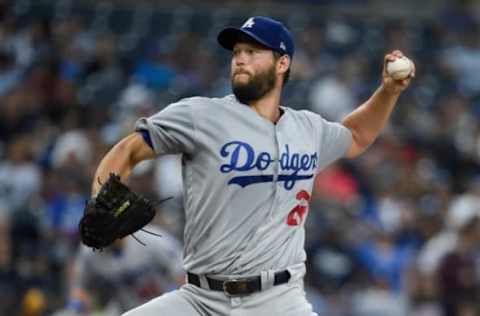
<point x="333" y="140"/>
<point x="171" y="130"/>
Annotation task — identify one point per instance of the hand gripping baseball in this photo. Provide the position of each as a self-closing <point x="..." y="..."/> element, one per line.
<point x="114" y="213"/>
<point x="395" y="77"/>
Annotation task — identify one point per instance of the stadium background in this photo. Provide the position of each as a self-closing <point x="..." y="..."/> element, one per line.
<point x="391" y="233"/>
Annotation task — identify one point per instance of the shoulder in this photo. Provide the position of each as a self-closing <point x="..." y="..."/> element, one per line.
<point x="305" y="116"/>
<point x="315" y="122"/>
<point x="199" y="101"/>
<point x="195" y="107"/>
<point x="300" y="113"/>
<point x="313" y="118"/>
<point x="204" y="110"/>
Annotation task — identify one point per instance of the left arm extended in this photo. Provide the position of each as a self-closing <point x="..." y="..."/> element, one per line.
<point x="367" y="121"/>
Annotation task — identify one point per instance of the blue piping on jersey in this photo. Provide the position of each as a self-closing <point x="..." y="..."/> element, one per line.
<point x="289" y="180"/>
<point x="146" y="136"/>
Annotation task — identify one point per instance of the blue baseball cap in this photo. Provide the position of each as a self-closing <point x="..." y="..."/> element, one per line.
<point x="266" y="31"/>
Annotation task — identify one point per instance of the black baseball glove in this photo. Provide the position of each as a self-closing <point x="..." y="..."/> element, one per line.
<point x="114" y="213"/>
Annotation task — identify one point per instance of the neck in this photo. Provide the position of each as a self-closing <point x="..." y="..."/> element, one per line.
<point x="268" y="106"/>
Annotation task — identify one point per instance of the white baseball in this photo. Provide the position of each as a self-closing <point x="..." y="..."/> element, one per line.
<point x="400" y="68"/>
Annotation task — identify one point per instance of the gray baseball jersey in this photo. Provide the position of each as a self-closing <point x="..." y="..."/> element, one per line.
<point x="247" y="180"/>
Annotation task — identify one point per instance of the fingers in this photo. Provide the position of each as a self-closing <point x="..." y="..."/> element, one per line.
<point x="396" y="54"/>
<point x="412" y="74"/>
<point x="393" y="55"/>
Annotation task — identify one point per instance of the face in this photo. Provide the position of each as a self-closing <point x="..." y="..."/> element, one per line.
<point x="253" y="71"/>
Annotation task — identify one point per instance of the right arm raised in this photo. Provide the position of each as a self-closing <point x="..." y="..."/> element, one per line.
<point x="121" y="159"/>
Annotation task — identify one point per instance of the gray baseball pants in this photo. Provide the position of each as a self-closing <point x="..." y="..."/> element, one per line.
<point x="282" y="300"/>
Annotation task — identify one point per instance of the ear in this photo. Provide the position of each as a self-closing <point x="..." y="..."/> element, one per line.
<point x="283" y="64"/>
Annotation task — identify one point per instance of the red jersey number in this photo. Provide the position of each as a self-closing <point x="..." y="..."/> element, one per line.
<point x="297" y="214"/>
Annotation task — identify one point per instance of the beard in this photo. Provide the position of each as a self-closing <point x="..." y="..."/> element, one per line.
<point x="257" y="87"/>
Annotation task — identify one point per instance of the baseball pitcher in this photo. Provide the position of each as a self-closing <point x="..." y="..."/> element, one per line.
<point x="248" y="170"/>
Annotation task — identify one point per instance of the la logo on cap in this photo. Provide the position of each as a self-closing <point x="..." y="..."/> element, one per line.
<point x="250" y="22"/>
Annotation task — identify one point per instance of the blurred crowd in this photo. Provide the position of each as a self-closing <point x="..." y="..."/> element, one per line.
<point x="394" y="232"/>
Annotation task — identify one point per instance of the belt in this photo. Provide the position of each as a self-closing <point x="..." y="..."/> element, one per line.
<point x="238" y="286"/>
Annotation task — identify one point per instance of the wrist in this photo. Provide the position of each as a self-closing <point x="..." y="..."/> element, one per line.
<point x="94" y="193"/>
<point x="389" y="91"/>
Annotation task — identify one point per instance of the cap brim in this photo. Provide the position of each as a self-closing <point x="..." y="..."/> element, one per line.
<point x="228" y="37"/>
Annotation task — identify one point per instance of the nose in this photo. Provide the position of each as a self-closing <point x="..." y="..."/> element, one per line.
<point x="240" y="58"/>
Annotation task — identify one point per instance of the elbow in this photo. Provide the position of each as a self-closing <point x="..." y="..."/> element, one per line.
<point x="364" y="140"/>
<point x="135" y="149"/>
<point x="360" y="143"/>
<point x="125" y="150"/>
